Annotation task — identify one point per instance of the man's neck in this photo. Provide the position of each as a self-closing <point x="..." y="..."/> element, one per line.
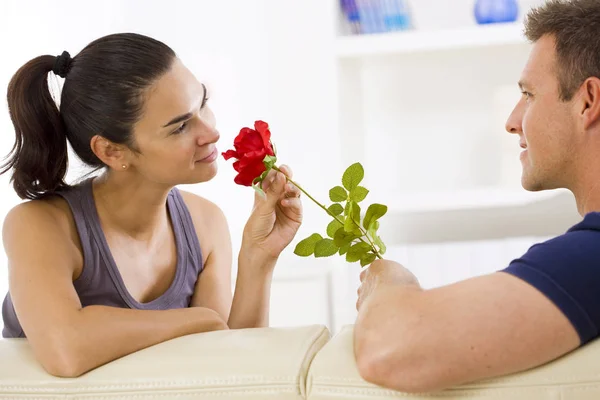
<point x="587" y="193"/>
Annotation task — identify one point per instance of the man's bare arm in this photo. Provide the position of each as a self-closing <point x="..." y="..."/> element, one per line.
<point x="417" y="340"/>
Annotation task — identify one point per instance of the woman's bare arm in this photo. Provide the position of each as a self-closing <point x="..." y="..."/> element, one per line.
<point x="69" y="339"/>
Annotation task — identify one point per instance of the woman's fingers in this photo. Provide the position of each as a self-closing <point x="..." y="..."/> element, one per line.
<point x="291" y="191"/>
<point x="287" y="171"/>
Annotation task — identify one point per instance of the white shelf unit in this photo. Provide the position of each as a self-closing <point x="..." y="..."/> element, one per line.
<point x="424" y="111"/>
<point x="354" y="46"/>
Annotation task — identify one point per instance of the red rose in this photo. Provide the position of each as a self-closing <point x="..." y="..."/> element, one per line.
<point x="251" y="148"/>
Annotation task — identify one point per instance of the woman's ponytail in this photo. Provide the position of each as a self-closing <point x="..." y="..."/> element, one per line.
<point x="39" y="155"/>
<point x="104" y="94"/>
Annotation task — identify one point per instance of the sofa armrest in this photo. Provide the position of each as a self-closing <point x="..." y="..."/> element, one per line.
<point x="334" y="375"/>
<point x="252" y="363"/>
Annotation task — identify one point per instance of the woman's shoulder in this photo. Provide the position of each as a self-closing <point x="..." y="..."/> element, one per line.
<point x="51" y="208"/>
<point x="201" y="208"/>
<point x="209" y="221"/>
<point x="52" y="215"/>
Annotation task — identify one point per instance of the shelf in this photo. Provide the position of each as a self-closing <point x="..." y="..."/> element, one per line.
<point x="472" y="199"/>
<point x="426" y="41"/>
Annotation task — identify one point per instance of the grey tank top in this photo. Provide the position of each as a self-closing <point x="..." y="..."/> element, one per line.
<point x="100" y="282"/>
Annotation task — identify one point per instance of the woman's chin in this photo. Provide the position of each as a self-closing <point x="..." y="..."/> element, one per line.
<point x="205" y="173"/>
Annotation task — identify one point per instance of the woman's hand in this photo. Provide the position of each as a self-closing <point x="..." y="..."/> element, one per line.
<point x="275" y="218"/>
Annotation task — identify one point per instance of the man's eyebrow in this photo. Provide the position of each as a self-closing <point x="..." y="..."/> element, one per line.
<point x="524" y="85"/>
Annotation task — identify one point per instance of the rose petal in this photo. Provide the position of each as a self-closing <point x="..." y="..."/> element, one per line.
<point x="248" y="140"/>
<point x="251" y="148"/>
<point x="263" y="129"/>
<point x="230" y="154"/>
<point x="269" y="149"/>
<point x="252" y="157"/>
<point x="236" y="166"/>
<point x="249" y="173"/>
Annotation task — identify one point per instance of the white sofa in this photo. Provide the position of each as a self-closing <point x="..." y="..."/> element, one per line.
<point x="271" y="363"/>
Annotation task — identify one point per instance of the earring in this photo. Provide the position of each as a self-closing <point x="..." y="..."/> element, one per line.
<point x="124" y="166"/>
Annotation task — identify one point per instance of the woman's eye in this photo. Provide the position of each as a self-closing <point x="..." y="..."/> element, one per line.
<point x="181" y="128"/>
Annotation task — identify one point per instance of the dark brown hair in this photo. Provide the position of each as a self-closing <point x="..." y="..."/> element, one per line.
<point x="103" y="94"/>
<point x="575" y="26"/>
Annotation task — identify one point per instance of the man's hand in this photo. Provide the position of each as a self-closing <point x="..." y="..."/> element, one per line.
<point x="383" y="273"/>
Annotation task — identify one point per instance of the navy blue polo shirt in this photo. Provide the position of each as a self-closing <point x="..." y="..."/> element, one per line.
<point x="566" y="269"/>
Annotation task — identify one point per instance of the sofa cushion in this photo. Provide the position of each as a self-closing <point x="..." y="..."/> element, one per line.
<point x="333" y="375"/>
<point x="250" y="364"/>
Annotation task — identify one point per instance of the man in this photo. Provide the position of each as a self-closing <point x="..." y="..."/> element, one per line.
<point x="545" y="303"/>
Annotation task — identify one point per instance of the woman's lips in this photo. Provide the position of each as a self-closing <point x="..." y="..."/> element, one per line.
<point x="211" y="157"/>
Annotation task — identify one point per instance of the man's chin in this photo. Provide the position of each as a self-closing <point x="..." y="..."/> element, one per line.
<point x="536" y="185"/>
<point x="530" y="184"/>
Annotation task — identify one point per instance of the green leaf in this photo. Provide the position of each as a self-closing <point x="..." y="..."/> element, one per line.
<point x="333" y="227"/>
<point x="325" y="248"/>
<point x="379" y="243"/>
<point x="260" y="178"/>
<point x="374" y="212"/>
<point x="372" y="230"/>
<point x="338" y="193"/>
<point x="269" y="161"/>
<point x="352" y="222"/>
<point x="350" y="257"/>
<point x="367" y="259"/>
<point x="349" y="225"/>
<point x="353" y="175"/>
<point x="258" y="189"/>
<point x="358" y="194"/>
<point x="357" y="252"/>
<point x="263" y="175"/>
<point x="344" y="249"/>
<point x="336" y="209"/>
<point x="342" y="237"/>
<point x="306" y="247"/>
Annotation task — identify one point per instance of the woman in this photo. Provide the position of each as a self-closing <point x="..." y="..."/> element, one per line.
<point x="125" y="260"/>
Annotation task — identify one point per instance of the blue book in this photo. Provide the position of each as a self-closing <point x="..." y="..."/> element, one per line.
<point x="371" y="16"/>
<point x="352" y="16"/>
<point x="396" y="15"/>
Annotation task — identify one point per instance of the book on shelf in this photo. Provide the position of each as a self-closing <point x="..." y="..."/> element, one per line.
<point x="376" y="16"/>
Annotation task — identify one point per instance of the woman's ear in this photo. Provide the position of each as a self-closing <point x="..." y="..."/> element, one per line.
<point x="112" y="154"/>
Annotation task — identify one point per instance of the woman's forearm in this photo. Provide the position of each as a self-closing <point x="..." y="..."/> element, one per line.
<point x="100" y="334"/>
<point x="250" y="307"/>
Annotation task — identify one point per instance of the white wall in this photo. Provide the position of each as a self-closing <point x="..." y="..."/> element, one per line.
<point x="247" y="51"/>
<point x="271" y="60"/>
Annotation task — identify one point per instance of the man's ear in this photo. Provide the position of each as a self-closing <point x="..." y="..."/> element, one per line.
<point x="590" y="101"/>
<point x="112" y="154"/>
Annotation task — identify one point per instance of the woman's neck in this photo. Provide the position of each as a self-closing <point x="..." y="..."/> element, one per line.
<point x="131" y="205"/>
